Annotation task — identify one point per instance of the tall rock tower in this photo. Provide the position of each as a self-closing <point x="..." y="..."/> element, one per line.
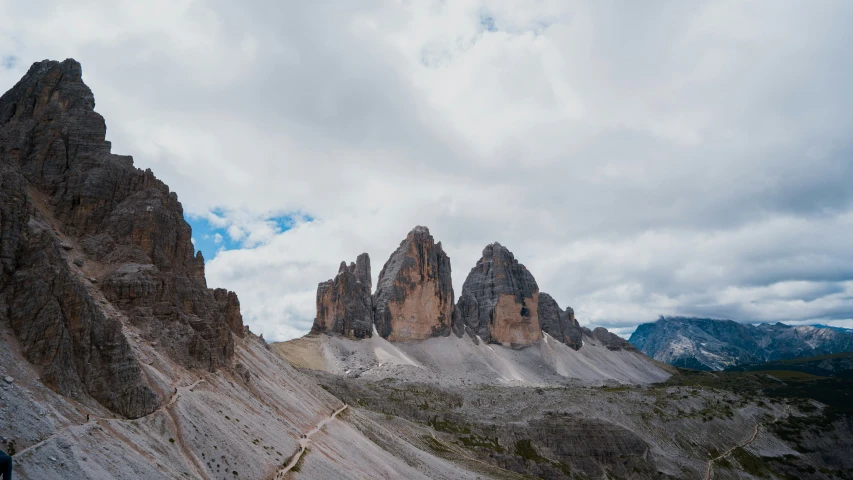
<point x="414" y="295"/>
<point x="344" y="304"/>
<point x="500" y="300"/>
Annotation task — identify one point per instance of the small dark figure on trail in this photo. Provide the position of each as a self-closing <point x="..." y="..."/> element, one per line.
<point x="5" y="466"/>
<point x="87" y="417"/>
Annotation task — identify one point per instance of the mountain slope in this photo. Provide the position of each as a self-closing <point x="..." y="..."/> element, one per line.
<point x="457" y="361"/>
<point x="707" y="344"/>
<point x="117" y="361"/>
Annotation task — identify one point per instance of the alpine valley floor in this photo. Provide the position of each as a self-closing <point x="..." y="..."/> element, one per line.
<point x="531" y="426"/>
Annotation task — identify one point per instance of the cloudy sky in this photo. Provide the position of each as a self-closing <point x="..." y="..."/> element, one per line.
<point x="640" y="158"/>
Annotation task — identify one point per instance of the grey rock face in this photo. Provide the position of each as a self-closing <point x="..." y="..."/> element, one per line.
<point x="707" y="344"/>
<point x="560" y="324"/>
<point x="609" y="339"/>
<point x="500" y="300"/>
<point x="344" y="304"/>
<point x="72" y="214"/>
<point x="414" y="295"/>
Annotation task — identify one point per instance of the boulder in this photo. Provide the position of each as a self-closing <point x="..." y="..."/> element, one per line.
<point x="414" y="296"/>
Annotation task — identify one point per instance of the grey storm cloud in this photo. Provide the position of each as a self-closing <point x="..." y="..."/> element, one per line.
<point x="641" y="159"/>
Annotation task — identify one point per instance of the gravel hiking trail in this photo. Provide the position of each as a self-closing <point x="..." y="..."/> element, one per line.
<point x="751" y="439"/>
<point x="305" y="441"/>
<point x="95" y="420"/>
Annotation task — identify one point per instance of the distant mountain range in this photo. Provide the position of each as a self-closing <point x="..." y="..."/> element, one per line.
<point x="709" y="344"/>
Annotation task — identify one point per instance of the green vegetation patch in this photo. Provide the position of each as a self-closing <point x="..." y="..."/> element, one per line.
<point x="525" y="450"/>
<point x="752" y="464"/>
<point x="435" y="445"/>
<point x="473" y="441"/>
<point x="449" y="426"/>
<point x="300" y="461"/>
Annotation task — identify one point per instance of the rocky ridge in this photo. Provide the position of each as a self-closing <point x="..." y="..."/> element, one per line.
<point x="609" y="339"/>
<point x="86" y="238"/>
<point x="709" y="344"/>
<point x="560" y="324"/>
<point x="500" y="301"/>
<point x="500" y="305"/>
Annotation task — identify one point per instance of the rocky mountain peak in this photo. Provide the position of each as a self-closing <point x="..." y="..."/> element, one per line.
<point x="414" y="295"/>
<point x="361" y="270"/>
<point x="88" y="241"/>
<point x="500" y="300"/>
<point x="559" y="324"/>
<point x="344" y="304"/>
<point x="609" y="339"/>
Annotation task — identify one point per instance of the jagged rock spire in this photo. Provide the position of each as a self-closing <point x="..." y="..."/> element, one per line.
<point x="414" y="294"/>
<point x="500" y="300"/>
<point x="560" y="324"/>
<point x="344" y="304"/>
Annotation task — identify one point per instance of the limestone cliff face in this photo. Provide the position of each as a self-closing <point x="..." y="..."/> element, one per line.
<point x="86" y="239"/>
<point x="560" y="324"/>
<point x="414" y="295"/>
<point x="344" y="304"/>
<point x="500" y="300"/>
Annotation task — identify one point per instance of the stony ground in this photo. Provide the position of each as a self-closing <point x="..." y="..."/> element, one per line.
<point x="243" y="421"/>
<point x="658" y="431"/>
<point x="451" y="361"/>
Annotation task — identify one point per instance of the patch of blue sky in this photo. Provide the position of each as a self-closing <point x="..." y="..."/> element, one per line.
<point x="213" y="233"/>
<point x="9" y="61"/>
<point x="286" y="222"/>
<point x="488" y="23"/>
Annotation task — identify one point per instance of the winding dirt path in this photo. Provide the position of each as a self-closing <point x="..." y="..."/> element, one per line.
<point x="194" y="461"/>
<point x="305" y="441"/>
<point x="751" y="439"/>
<point x="96" y="420"/>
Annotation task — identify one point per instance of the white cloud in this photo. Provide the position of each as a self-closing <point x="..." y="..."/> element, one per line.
<point x="656" y="158"/>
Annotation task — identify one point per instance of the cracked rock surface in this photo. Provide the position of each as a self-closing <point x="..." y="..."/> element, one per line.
<point x="500" y="300"/>
<point x="414" y="294"/>
<point x="72" y="216"/>
<point x="344" y="304"/>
